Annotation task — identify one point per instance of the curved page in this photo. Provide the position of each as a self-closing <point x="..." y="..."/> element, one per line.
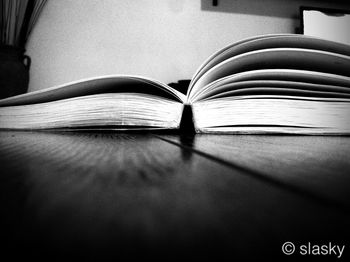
<point x="294" y="75"/>
<point x="280" y="91"/>
<point x="220" y="56"/>
<point x="277" y="58"/>
<point x="97" y="85"/>
<point x="270" y="41"/>
<point x="235" y="88"/>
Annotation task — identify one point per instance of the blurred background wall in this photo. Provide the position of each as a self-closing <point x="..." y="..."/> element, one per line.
<point x="162" y="39"/>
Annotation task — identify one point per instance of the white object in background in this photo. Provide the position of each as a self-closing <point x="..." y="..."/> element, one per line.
<point x="328" y="26"/>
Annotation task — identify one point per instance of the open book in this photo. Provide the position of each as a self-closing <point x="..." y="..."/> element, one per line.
<point x="283" y="83"/>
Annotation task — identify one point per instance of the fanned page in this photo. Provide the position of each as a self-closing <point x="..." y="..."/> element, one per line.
<point x="267" y="42"/>
<point x="274" y="84"/>
<point x="278" y="78"/>
<point x="223" y="54"/>
<point x="109" y="102"/>
<point x="285" y="58"/>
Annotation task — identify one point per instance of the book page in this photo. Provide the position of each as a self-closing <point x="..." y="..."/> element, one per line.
<point x="277" y="58"/>
<point x="225" y="53"/>
<point x="279" y="91"/>
<point x="293" y="75"/>
<point x="270" y="41"/>
<point x="245" y="86"/>
<point x="97" y="85"/>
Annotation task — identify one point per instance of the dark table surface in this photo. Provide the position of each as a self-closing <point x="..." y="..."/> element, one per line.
<point x="113" y="195"/>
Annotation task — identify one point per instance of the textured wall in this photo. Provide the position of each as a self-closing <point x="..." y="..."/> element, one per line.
<point x="162" y="39"/>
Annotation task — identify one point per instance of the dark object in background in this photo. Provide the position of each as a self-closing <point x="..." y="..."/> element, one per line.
<point x="14" y="71"/>
<point x="181" y="85"/>
<point x="17" y="21"/>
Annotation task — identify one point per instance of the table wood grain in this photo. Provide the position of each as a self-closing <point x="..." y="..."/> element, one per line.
<point x="112" y="194"/>
<point x="317" y="166"/>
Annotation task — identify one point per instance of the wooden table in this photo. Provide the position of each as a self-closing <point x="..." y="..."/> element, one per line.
<point x="164" y="195"/>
